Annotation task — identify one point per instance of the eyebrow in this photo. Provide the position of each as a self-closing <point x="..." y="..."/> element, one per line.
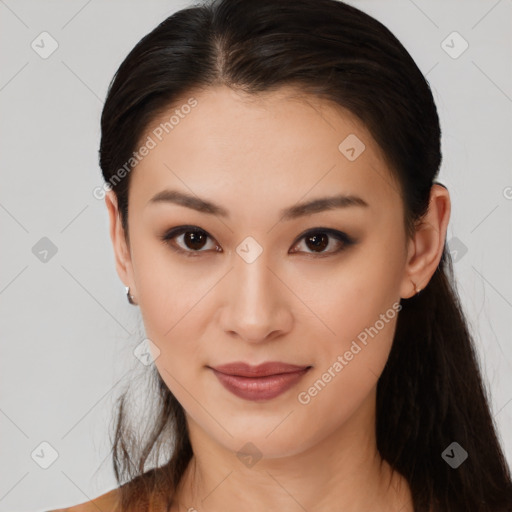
<point x="298" y="210"/>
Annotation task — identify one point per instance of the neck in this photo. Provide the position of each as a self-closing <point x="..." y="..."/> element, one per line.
<point x="343" y="471"/>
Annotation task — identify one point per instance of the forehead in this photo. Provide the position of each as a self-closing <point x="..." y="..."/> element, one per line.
<point x="278" y="146"/>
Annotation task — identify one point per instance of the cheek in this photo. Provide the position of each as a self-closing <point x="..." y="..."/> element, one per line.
<point x="344" y="379"/>
<point x="167" y="289"/>
<point x="360" y="306"/>
<point x="355" y="297"/>
<point x="362" y="339"/>
<point x="170" y="305"/>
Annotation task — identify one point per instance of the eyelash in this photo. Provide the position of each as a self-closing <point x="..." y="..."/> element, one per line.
<point x="346" y="240"/>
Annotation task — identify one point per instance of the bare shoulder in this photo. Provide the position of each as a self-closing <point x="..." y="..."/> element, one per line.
<point x="105" y="503"/>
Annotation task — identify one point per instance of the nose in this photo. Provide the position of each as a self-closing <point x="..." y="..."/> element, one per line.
<point x="257" y="307"/>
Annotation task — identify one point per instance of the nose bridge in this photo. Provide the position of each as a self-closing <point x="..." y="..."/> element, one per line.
<point x="255" y="305"/>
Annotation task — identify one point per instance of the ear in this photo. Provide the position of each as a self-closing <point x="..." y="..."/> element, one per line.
<point x="121" y="251"/>
<point x="426" y="248"/>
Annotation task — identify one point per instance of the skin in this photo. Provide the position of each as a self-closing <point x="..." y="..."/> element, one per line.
<point x="254" y="156"/>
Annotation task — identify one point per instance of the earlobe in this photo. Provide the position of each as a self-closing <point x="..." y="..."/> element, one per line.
<point x="426" y="248"/>
<point x="121" y="252"/>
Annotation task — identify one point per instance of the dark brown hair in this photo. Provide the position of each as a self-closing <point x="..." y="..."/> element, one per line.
<point x="431" y="392"/>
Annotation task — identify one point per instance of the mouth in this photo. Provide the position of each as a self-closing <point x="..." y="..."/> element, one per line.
<point x="261" y="382"/>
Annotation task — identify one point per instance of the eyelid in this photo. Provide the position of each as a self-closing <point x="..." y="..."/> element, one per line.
<point x="340" y="236"/>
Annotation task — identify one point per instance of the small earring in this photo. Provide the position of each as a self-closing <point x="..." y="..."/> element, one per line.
<point x="130" y="297"/>
<point x="418" y="290"/>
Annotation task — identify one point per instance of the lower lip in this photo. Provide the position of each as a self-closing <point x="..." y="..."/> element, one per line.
<point x="259" y="388"/>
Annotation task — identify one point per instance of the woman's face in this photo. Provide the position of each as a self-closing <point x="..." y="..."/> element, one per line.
<point x="251" y="287"/>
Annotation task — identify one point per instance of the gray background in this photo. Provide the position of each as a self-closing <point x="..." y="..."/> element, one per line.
<point x="67" y="331"/>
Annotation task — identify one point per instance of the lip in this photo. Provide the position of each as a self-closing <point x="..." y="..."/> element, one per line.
<point x="261" y="382"/>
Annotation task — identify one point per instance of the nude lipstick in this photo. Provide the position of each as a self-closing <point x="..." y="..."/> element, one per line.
<point x="261" y="382"/>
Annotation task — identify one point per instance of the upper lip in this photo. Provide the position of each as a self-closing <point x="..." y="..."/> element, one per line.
<point x="242" y="369"/>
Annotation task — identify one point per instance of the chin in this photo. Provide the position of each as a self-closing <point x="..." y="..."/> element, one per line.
<point x="257" y="442"/>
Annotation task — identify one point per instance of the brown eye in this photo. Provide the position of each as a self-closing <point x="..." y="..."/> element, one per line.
<point x="316" y="241"/>
<point x="193" y="240"/>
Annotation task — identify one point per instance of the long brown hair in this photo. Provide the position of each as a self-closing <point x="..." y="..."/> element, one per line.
<point x="431" y="392"/>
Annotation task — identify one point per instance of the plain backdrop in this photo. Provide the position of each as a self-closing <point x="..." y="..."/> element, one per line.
<point x="67" y="331"/>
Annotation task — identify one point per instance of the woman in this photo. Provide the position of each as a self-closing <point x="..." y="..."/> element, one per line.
<point x="274" y="214"/>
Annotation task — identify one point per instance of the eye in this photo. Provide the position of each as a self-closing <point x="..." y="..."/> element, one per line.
<point x="194" y="239"/>
<point x="319" y="239"/>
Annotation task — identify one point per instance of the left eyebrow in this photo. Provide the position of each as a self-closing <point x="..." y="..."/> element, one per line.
<point x="298" y="210"/>
<point x="322" y="204"/>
